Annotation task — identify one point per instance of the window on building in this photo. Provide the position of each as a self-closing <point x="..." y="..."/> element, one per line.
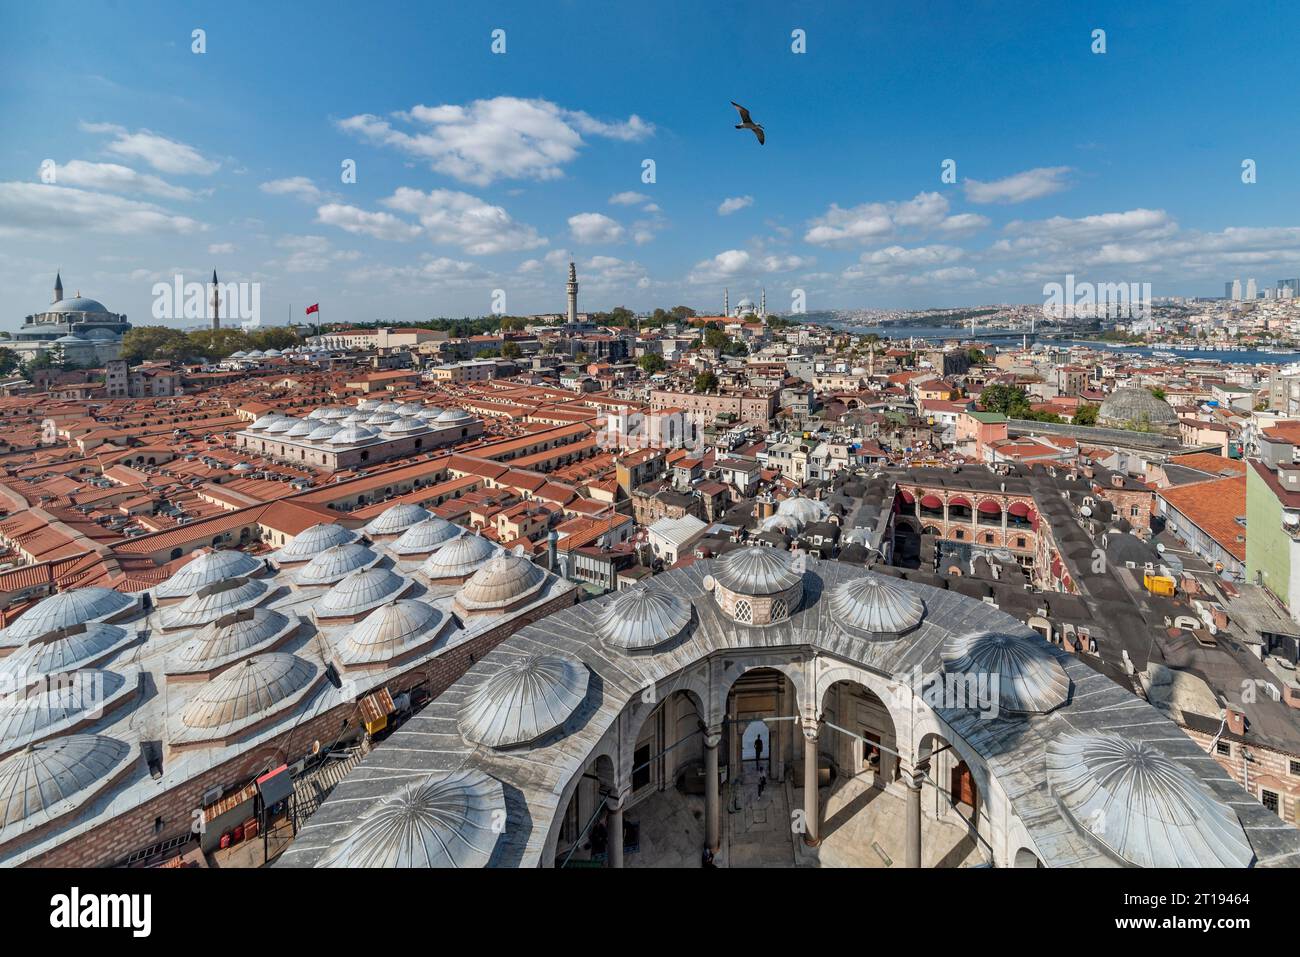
<point x="1224" y="748"/>
<point x="744" y="612"/>
<point x="1268" y="799"/>
<point x="779" y="609"/>
<point x="1295" y="767"/>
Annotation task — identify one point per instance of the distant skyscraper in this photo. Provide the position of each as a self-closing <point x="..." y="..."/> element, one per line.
<point x="1252" y="291"/>
<point x="1235" y="294"/>
<point x="1288" y="288"/>
<point x="1227" y="289"/>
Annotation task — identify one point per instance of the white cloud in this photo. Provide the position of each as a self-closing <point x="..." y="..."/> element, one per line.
<point x="221" y="249"/>
<point x="115" y="178"/>
<point x="299" y="187"/>
<point x="502" y="138"/>
<point x="1019" y="187"/>
<point x="462" y="220"/>
<point x="594" y="228"/>
<point x="629" y="198"/>
<point x="363" y="223"/>
<point x="875" y="222"/>
<point x="734" y="204"/>
<point x="163" y="154"/>
<point x="39" y="210"/>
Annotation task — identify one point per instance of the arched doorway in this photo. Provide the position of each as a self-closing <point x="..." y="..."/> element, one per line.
<point x="755" y="747"/>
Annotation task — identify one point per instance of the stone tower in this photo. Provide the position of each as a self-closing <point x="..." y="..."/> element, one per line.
<point x="58" y="288"/>
<point x="215" y="303"/>
<point x="726" y="302"/>
<point x="573" y="294"/>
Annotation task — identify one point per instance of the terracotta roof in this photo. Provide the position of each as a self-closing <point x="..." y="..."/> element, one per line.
<point x="1215" y="507"/>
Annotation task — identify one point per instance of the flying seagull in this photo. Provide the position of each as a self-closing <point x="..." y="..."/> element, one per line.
<point x="748" y="124"/>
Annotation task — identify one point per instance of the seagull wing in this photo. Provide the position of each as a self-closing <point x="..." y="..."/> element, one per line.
<point x="758" y="131"/>
<point x="744" y="113"/>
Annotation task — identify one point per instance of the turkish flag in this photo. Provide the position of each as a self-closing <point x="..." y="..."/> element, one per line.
<point x="314" y="308"/>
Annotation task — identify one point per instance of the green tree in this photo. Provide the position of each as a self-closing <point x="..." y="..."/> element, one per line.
<point x="9" y="361"/>
<point x="158" y="342"/>
<point x="1086" y="414"/>
<point x="715" y="338"/>
<point x="651" y="363"/>
<point x="1159" y="394"/>
<point x="706" y="382"/>
<point x="510" y="350"/>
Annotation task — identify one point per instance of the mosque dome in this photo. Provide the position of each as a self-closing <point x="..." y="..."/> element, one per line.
<point x="78" y="304"/>
<point x="302" y="428"/>
<point x="757" y="570"/>
<point x="528" y="698"/>
<point x="335" y="563"/>
<point x="76" y="647"/>
<point x="280" y="426"/>
<point x="47" y="780"/>
<point x="1030" y="678"/>
<point x="404" y="426"/>
<point x="643" y="617"/>
<point x="504" y="580"/>
<point x="248" y="692"/>
<point x="311" y="541"/>
<point x="1146" y="808"/>
<point x="323" y="431"/>
<point x="265" y="422"/>
<point x="397" y="518"/>
<point x="423" y="537"/>
<point x="208" y="568"/>
<point x="442" y="820"/>
<point x="240" y="634"/>
<point x="352" y="435"/>
<point x="360" y="592"/>
<point x="391" y="631"/>
<point x="382" y="418"/>
<point x="447" y="416"/>
<point x="1136" y="406"/>
<point x="64" y="610"/>
<point x="875" y="607"/>
<point x="459" y="558"/>
<point x="100" y="334"/>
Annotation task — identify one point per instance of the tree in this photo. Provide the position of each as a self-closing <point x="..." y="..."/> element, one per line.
<point x="9" y="361"/>
<point x="1086" y="414"/>
<point x="1159" y="394"/>
<point x="651" y="363"/>
<point x="715" y="338"/>
<point x="976" y="356"/>
<point x="158" y="342"/>
<point x="510" y="350"/>
<point x="706" y="382"/>
<point x="1004" y="399"/>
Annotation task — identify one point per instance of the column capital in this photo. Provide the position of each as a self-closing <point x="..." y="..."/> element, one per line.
<point x="615" y="802"/>
<point x="712" y="738"/>
<point x="811" y="727"/>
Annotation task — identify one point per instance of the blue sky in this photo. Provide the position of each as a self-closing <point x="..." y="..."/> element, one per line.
<point x="478" y="171"/>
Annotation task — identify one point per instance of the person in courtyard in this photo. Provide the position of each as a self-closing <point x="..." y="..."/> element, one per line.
<point x="758" y="752"/>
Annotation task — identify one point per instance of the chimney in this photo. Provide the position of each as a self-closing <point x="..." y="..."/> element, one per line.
<point x="1236" y="721"/>
<point x="552" y="541"/>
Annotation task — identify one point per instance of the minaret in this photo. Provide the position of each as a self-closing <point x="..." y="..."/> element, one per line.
<point x="216" y="303"/>
<point x="762" y="304"/>
<point x="573" y="294"/>
<point x="726" y="302"/>
<point x="58" y="288"/>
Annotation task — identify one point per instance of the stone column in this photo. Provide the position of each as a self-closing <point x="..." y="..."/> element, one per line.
<point x="912" y="850"/>
<point x="811" y="805"/>
<point x="614" y="830"/>
<point x="712" y="827"/>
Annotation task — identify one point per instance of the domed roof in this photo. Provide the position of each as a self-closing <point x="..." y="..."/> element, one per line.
<point x="391" y="630"/>
<point x="780" y="523"/>
<point x="238" y="354"/>
<point x="1030" y="678"/>
<point x="256" y="354"/>
<point x="311" y="541"/>
<point x="323" y="431"/>
<point x="100" y="334"/>
<point x="404" y="426"/>
<point x="875" y="606"/>
<point x="361" y="591"/>
<point x="79" y="698"/>
<point x="70" y="340"/>
<point x="504" y="579"/>
<point x="429" y="412"/>
<point x="251" y="690"/>
<point x="528" y="698"/>
<point x="352" y="435"/>
<point x="1146" y="808"/>
<point x="1136" y="405"/>
<point x="265" y="422"/>
<point x="79" y="646"/>
<point x="47" y="780"/>
<point x="335" y="413"/>
<point x="231" y="637"/>
<point x="272" y="353"/>
<point x="368" y="405"/>
<point x="335" y="563"/>
<point x="642" y="617"/>
<point x="459" y="558"/>
<point x="410" y="408"/>
<point x="442" y="820"/>
<point x="452" y="415"/>
<point x="396" y="519"/>
<point x="282" y="425"/>
<point x="208" y="568"/>
<point x="804" y="509"/>
<point x="302" y="428"/>
<point x="77" y="304"/>
<point x="215" y="600"/>
<point x="64" y="610"/>
<point x="757" y="570"/>
<point x="382" y="418"/>
<point x="423" y="537"/>
<point x="387" y="407"/>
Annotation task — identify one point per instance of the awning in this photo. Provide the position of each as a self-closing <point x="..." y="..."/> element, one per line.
<point x="931" y="501"/>
<point x="1019" y="509"/>
<point x="906" y="496"/>
<point x="376" y="705"/>
<point x="989" y="507"/>
<point x="959" y="500"/>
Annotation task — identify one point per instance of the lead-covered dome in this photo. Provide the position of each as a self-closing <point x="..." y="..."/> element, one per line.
<point x="238" y="635"/>
<point x="392" y="631"/>
<point x="397" y="518"/>
<point x="336" y="563"/>
<point x="442" y="820"/>
<point x="423" y="537"/>
<point x="75" y="700"/>
<point x="352" y="435"/>
<point x="1030" y="678"/>
<point x="44" y="781"/>
<point x="757" y="570"/>
<point x="252" y="690"/>
<point x="505" y="580"/>
<point x="323" y="431"/>
<point x="213" y="601"/>
<point x="312" y="541"/>
<point x="1146" y="808"/>
<point x="208" y="568"/>
<point x="643" y="617"/>
<point x="1135" y="406"/>
<point x="526" y="699"/>
<point x="65" y="610"/>
<point x="360" y="592"/>
<point x="68" y="649"/>
<point x="804" y="510"/>
<point x="875" y="607"/>
<point x="459" y="559"/>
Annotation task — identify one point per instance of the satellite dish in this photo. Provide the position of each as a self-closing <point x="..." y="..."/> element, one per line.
<point x="1086" y="511"/>
<point x="1160" y="547"/>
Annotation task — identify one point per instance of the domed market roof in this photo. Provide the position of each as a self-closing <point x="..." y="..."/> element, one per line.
<point x="875" y="606"/>
<point x="360" y="592"/>
<point x="1030" y="678"/>
<point x="240" y="634"/>
<point x="44" y="781"/>
<point x="62" y="705"/>
<point x="506" y="578"/>
<point x="250" y="691"/>
<point x="397" y="518"/>
<point x="442" y="820"/>
<point x="459" y="558"/>
<point x="804" y="509"/>
<point x="64" y="610"/>
<point x="390" y="631"/>
<point x="1146" y="808"/>
<point x="335" y="563"/>
<point x="1138" y="406"/>
<point x="208" y="568"/>
<point x="215" y="600"/>
<point x="423" y="537"/>
<point x="643" y="617"/>
<point x="528" y="698"/>
<point x="79" y="646"/>
<point x="311" y="541"/>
